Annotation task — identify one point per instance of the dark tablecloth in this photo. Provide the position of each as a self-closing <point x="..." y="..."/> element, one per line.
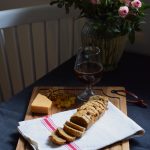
<point x="133" y="73"/>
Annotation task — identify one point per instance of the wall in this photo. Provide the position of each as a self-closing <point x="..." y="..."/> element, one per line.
<point x="33" y="41"/>
<point x="10" y="4"/>
<point x="141" y="45"/>
<point x="142" y="42"/>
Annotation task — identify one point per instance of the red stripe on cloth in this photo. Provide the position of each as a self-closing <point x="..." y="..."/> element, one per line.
<point x="70" y="145"/>
<point x="46" y="116"/>
<point x="49" y="122"/>
<point x="47" y="127"/>
<point x="75" y="146"/>
<point x="50" y="125"/>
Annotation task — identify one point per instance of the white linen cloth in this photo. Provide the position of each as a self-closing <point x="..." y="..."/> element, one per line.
<point x="112" y="127"/>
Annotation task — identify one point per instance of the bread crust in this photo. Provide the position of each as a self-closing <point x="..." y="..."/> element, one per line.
<point x="75" y="126"/>
<point x="81" y="120"/>
<point x="56" y="139"/>
<point x="72" y="131"/>
<point x="61" y="133"/>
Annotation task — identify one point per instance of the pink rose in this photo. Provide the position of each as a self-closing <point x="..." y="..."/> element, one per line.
<point x="123" y="11"/>
<point x="136" y="3"/>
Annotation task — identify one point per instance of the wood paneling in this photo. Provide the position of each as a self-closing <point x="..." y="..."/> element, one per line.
<point x="52" y="28"/>
<point x="28" y="15"/>
<point x="25" y="45"/>
<point x="12" y="58"/>
<point x="34" y="41"/>
<point x="39" y="49"/>
<point x="66" y="38"/>
<point x="8" y="4"/>
<point x="5" y="81"/>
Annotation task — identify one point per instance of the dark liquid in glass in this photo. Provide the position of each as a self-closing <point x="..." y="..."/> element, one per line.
<point x="89" y="72"/>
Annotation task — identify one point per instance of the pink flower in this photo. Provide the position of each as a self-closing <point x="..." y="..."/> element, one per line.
<point x="123" y="11"/>
<point x="136" y="3"/>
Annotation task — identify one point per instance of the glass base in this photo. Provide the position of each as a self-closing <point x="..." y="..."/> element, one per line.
<point x="84" y="96"/>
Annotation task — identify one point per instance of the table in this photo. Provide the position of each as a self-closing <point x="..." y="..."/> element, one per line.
<point x="132" y="73"/>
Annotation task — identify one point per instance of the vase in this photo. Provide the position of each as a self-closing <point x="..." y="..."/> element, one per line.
<point x="111" y="48"/>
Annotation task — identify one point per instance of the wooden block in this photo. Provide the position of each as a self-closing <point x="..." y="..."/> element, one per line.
<point x="117" y="100"/>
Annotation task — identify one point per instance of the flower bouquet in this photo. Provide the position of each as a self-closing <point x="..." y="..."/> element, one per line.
<point x="110" y="21"/>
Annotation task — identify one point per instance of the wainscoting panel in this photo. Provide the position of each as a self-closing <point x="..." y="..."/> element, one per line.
<point x="26" y="54"/>
<point x="13" y="59"/>
<point x="66" y="39"/>
<point x="52" y="30"/>
<point x="39" y="50"/>
<point x="29" y="50"/>
<point x="5" y="82"/>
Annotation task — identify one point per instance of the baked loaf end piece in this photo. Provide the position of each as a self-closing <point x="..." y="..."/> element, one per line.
<point x="91" y="111"/>
<point x="56" y="139"/>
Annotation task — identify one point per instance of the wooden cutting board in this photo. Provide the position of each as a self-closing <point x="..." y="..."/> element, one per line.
<point x="117" y="100"/>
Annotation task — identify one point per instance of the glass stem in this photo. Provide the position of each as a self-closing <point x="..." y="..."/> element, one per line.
<point x="89" y="90"/>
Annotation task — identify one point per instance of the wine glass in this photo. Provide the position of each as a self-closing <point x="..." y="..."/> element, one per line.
<point x="88" y="69"/>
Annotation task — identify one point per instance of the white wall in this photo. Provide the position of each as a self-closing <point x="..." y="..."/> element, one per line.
<point x="24" y="55"/>
<point x="10" y="4"/>
<point x="142" y="42"/>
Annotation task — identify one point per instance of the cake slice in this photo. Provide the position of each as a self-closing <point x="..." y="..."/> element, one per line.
<point x="56" y="139"/>
<point x="75" y="126"/>
<point x="61" y="133"/>
<point x="72" y="131"/>
<point x="82" y="120"/>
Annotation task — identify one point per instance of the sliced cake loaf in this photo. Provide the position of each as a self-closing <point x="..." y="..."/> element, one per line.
<point x="83" y="119"/>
